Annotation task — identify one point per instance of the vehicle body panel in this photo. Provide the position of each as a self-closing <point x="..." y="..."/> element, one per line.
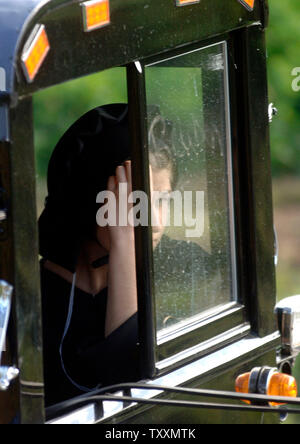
<point x="139" y="31"/>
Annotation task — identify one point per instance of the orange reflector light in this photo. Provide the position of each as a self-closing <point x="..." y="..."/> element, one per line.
<point x="95" y="14"/>
<point x="186" y="2"/>
<point x="281" y="384"/>
<point x="249" y="4"/>
<point x="242" y="384"/>
<point x="35" y="52"/>
<point x="269" y="382"/>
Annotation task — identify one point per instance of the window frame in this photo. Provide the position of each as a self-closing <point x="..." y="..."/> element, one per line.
<point x="227" y="324"/>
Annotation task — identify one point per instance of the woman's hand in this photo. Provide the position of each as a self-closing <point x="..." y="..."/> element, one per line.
<point x="122" y="291"/>
<point x="121" y="186"/>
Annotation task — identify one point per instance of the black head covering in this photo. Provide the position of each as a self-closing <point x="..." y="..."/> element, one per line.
<point x="87" y="154"/>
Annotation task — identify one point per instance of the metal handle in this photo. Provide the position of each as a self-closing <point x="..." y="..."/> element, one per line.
<point x="7" y="374"/>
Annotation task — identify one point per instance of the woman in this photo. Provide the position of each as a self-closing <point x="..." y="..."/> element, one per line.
<point x="88" y="272"/>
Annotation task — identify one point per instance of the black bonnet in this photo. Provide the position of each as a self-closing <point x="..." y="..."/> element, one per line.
<point x="84" y="158"/>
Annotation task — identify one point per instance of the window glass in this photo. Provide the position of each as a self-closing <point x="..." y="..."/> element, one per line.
<point x="191" y="186"/>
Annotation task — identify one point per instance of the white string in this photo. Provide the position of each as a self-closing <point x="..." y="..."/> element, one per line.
<point x="66" y="329"/>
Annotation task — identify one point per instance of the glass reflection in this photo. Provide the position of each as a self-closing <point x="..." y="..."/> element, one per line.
<point x="191" y="186"/>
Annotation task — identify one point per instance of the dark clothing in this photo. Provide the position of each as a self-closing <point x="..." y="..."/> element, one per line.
<point x="90" y="359"/>
<point x="185" y="283"/>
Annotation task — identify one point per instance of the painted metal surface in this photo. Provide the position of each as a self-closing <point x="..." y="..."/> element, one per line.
<point x="138" y="30"/>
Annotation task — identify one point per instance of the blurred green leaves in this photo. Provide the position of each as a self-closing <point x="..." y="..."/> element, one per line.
<point x="57" y="108"/>
<point x="283" y="39"/>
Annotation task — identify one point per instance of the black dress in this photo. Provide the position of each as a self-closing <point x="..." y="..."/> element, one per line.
<point x="89" y="358"/>
<point x="185" y="284"/>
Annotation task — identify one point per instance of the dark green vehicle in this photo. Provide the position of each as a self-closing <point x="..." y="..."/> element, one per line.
<point x="203" y="63"/>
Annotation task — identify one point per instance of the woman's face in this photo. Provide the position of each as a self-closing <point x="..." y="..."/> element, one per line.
<point x="160" y="180"/>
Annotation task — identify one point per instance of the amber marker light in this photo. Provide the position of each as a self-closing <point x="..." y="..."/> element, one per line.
<point x="266" y="381"/>
<point x="281" y="384"/>
<point x="35" y="52"/>
<point x="186" y="2"/>
<point x="96" y="14"/>
<point x="242" y="384"/>
<point x="249" y="4"/>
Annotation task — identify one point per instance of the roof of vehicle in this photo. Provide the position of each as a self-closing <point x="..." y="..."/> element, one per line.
<point x="138" y="28"/>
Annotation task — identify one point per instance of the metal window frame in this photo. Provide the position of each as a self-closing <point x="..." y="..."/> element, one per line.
<point x="175" y="350"/>
<point x="254" y="241"/>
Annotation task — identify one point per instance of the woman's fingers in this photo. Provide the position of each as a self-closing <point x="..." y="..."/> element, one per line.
<point x="121" y="185"/>
<point x="128" y="174"/>
<point x="121" y="174"/>
<point x="111" y="184"/>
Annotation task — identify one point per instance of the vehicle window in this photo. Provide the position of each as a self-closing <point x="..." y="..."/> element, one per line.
<point x="191" y="186"/>
<point x="79" y="165"/>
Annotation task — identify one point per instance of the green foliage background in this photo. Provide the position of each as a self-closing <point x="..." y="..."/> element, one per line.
<point x="283" y="39"/>
<point x="64" y="104"/>
<point x="57" y="108"/>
